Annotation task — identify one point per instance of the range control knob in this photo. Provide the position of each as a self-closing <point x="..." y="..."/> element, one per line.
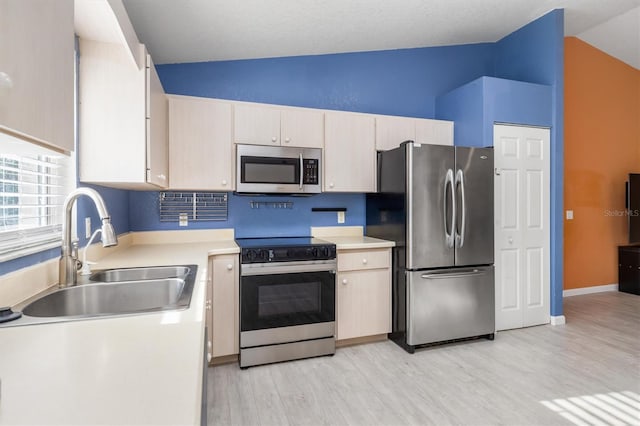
<point x="315" y="252"/>
<point x="250" y="255"/>
<point x="264" y="255"/>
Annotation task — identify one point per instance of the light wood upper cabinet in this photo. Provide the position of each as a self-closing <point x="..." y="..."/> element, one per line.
<point x="349" y="152"/>
<point x="302" y="128"/>
<point x="270" y="125"/>
<point x="257" y="125"/>
<point x="436" y="132"/>
<point x="363" y="293"/>
<point x="123" y="119"/>
<point x="200" y="144"/>
<point x="392" y="131"/>
<point x="156" y="137"/>
<point x="37" y="54"/>
<point x="225" y="314"/>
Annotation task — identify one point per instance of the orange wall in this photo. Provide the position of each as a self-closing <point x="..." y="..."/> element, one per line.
<point x="602" y="145"/>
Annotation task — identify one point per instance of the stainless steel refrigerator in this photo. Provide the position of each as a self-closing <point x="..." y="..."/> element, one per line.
<point x="436" y="203"/>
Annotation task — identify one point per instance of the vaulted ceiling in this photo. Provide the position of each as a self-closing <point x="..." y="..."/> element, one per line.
<point x="211" y="30"/>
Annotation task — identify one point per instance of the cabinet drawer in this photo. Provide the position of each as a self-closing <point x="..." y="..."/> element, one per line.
<point x="363" y="259"/>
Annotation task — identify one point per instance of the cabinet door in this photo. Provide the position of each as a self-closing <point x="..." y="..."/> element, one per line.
<point x="200" y="146"/>
<point x="302" y="128"/>
<point x="436" y="132"/>
<point x="257" y="125"/>
<point x="392" y="131"/>
<point x="157" y="120"/>
<point x="113" y="110"/>
<point x="208" y="312"/>
<point x="37" y="53"/>
<point x="363" y="303"/>
<point x="349" y="153"/>
<point x="225" y="305"/>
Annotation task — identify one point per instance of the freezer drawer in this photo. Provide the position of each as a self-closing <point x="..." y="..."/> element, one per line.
<point x="447" y="304"/>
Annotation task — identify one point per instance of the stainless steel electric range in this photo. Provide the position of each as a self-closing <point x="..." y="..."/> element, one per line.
<point x="287" y="299"/>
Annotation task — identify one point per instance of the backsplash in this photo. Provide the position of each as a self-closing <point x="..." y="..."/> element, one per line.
<point x="264" y="221"/>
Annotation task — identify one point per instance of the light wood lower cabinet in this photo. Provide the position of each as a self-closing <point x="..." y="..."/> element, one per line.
<point x="363" y="293"/>
<point x="223" y="306"/>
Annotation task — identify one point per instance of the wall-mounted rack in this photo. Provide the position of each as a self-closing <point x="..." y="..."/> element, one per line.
<point x="192" y="206"/>
<point x="271" y="204"/>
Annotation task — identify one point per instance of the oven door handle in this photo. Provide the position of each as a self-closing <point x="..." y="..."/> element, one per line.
<point x="262" y="269"/>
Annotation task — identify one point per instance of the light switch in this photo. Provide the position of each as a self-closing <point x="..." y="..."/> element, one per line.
<point x="87" y="227"/>
<point x="340" y="217"/>
<point x="569" y="214"/>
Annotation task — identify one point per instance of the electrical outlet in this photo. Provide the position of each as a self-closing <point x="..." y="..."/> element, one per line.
<point x="87" y="227"/>
<point x="340" y="217"/>
<point x="569" y="214"/>
<point x="183" y="219"/>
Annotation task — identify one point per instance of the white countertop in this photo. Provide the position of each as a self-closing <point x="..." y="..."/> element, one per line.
<point x="359" y="242"/>
<point x="142" y="369"/>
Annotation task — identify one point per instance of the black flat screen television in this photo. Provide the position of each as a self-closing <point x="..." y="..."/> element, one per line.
<point x="633" y="207"/>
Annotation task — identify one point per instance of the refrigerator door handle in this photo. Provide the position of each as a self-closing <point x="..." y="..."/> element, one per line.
<point x="463" y="207"/>
<point x="441" y="276"/>
<point x="449" y="236"/>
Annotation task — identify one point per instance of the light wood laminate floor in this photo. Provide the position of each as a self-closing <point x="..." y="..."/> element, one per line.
<point x="584" y="372"/>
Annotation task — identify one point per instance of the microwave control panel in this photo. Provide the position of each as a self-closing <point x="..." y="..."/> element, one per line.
<point x="310" y="173"/>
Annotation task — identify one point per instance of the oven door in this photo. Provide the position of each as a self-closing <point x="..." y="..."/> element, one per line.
<point x="283" y="300"/>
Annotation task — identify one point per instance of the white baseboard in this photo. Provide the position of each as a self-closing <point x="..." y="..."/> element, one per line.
<point x="558" y="320"/>
<point x="589" y="290"/>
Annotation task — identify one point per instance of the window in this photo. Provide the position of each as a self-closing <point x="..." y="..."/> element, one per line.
<point x="33" y="184"/>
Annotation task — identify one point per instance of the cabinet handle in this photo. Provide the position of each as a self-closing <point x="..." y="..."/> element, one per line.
<point x="287" y="140"/>
<point x="209" y="357"/>
<point x="364" y="261"/>
<point x="208" y="305"/>
<point x="162" y="177"/>
<point x="229" y="267"/>
<point x="331" y="185"/>
<point x="224" y="182"/>
<point x="344" y="281"/>
<point x="274" y="139"/>
<point x="209" y="345"/>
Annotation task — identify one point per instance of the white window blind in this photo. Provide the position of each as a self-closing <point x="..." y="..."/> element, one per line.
<point x="33" y="184"/>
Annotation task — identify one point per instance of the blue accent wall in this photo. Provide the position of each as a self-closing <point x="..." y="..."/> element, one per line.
<point x="476" y="106"/>
<point x="264" y="221"/>
<point x="394" y="82"/>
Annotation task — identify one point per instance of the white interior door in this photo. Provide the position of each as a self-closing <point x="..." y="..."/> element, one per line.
<point x="522" y="230"/>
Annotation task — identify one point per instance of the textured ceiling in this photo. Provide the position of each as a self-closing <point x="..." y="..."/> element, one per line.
<point x="210" y="30"/>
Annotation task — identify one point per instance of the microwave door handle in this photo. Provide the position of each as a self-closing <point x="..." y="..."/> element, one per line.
<point x="301" y="171"/>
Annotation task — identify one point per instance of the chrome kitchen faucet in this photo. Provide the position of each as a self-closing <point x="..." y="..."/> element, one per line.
<point x="68" y="268"/>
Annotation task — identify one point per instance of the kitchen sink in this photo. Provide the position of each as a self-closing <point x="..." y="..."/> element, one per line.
<point x="100" y="299"/>
<point x="136" y="274"/>
<point x="112" y="292"/>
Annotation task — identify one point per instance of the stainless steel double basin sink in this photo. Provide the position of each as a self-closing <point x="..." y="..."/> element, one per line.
<point x="115" y="292"/>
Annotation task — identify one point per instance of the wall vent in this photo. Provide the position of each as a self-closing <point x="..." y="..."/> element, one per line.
<point x="193" y="206"/>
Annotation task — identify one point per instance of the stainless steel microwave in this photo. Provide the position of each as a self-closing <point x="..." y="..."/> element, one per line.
<point x="275" y="169"/>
